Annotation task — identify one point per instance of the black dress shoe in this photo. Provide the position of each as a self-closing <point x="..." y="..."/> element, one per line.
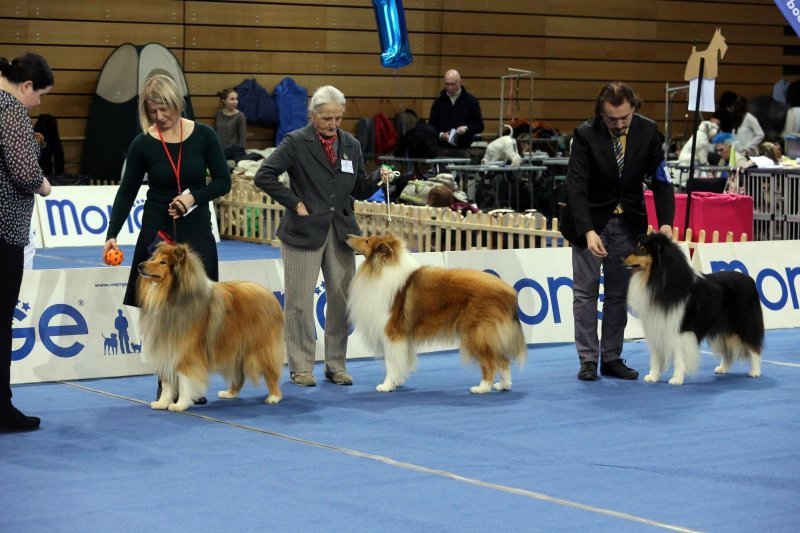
<point x="588" y="371"/>
<point x="12" y="419"/>
<point x="617" y="369"/>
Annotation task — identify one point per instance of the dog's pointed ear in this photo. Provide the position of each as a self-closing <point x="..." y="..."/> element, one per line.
<point x="180" y="252"/>
<point x="385" y="250"/>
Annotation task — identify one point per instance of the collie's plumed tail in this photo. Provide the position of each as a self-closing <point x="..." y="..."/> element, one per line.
<point x="495" y="345"/>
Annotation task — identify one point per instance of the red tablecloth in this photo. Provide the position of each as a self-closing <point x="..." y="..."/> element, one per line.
<point x="711" y="212"/>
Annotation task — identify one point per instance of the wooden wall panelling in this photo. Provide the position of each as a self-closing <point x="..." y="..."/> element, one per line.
<point x="157" y="11"/>
<point x="290" y="62"/>
<point x="64" y="57"/>
<point x="72" y="33"/>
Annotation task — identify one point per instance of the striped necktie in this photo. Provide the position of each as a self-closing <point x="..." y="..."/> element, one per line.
<point x="619" y="153"/>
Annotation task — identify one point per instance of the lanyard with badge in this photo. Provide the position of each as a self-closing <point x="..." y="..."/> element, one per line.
<point x="176" y="168"/>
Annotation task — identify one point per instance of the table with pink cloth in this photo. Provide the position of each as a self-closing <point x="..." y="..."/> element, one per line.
<point x="710" y="212"/>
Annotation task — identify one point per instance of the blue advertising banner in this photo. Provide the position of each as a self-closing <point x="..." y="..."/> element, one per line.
<point x="791" y="12"/>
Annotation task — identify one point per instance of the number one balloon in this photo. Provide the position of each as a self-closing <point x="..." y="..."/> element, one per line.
<point x="391" y="21"/>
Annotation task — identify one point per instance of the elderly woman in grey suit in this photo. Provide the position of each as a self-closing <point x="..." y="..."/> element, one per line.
<point x="326" y="171"/>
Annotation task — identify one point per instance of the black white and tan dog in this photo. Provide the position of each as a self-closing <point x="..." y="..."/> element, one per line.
<point x="679" y="308"/>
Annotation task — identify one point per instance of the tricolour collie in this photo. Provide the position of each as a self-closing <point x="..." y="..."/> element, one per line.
<point x="679" y="308"/>
<point x="192" y="326"/>
<point x="397" y="305"/>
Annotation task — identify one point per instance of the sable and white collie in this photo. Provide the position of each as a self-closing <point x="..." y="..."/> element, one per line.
<point x="398" y="305"/>
<point x="192" y="326"/>
<point x="679" y="308"/>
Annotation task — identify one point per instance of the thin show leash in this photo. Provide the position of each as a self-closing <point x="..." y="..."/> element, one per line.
<point x="392" y="174"/>
<point x="176" y="169"/>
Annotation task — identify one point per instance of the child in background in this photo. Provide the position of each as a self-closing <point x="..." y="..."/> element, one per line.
<point x="231" y="124"/>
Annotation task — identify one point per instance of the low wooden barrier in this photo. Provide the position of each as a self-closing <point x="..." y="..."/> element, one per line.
<point x="248" y="214"/>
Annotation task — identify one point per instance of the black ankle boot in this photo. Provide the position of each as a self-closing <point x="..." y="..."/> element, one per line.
<point x="12" y="419"/>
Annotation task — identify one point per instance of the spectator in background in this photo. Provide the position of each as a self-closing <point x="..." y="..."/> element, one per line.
<point x="724" y="113"/>
<point x="774" y="149"/>
<point x="746" y="128"/>
<point x="725" y="148"/>
<point x="23" y="82"/>
<point x="456" y="117"/>
<point x="792" y="125"/>
<point x="231" y="124"/>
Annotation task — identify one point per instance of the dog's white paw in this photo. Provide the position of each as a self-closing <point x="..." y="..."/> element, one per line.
<point x="754" y="373"/>
<point x="720" y="370"/>
<point x="481" y="388"/>
<point x="501" y="386"/>
<point x="651" y="378"/>
<point x="178" y="407"/>
<point x="159" y="405"/>
<point x="272" y="399"/>
<point x="385" y="387"/>
<point x="225" y="395"/>
<point x="676" y="381"/>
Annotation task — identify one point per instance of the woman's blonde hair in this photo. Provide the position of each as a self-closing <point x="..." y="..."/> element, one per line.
<point x="161" y="90"/>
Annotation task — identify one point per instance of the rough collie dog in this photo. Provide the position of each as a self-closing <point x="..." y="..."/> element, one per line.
<point x="679" y="308"/>
<point x="398" y="305"/>
<point x="192" y="326"/>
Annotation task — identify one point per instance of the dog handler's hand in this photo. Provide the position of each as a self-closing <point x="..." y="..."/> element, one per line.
<point x="595" y="244"/>
<point x="180" y="205"/>
<point x="387" y="174"/>
<point x="666" y="230"/>
<point x="110" y="243"/>
<point x="301" y="209"/>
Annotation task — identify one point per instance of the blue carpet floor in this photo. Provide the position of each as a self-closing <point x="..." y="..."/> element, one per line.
<point x="720" y="453"/>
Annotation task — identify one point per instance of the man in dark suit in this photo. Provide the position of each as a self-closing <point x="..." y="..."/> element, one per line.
<point x="612" y="156"/>
<point x="326" y="170"/>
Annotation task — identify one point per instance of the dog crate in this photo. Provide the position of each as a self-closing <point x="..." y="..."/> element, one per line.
<point x="791" y="229"/>
<point x="769" y="190"/>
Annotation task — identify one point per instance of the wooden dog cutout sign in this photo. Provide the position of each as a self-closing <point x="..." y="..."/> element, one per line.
<point x="716" y="46"/>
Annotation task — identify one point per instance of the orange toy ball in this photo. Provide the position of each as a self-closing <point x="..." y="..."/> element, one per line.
<point x="114" y="257"/>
